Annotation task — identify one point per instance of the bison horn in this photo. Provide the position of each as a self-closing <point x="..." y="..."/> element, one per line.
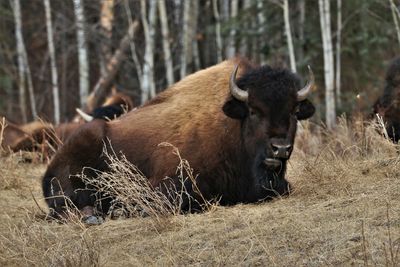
<point x="303" y="93"/>
<point x="84" y="115"/>
<point x="236" y="92"/>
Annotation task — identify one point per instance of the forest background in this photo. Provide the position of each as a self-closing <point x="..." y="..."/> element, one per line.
<point x="55" y="53"/>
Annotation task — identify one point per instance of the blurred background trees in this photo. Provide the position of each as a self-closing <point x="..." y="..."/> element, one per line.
<point x="142" y="46"/>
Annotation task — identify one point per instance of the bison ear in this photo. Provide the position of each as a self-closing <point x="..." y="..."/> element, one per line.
<point x="235" y="109"/>
<point x="306" y="110"/>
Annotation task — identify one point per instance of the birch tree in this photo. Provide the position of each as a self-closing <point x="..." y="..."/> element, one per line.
<point x="132" y="45"/>
<point x="23" y="65"/>
<point x="166" y="42"/>
<point x="103" y="85"/>
<point x="218" y="37"/>
<point x="324" y="10"/>
<point x="231" y="48"/>
<point x="148" y="86"/>
<point x="244" y="48"/>
<point x="30" y="84"/>
<point x="288" y="34"/>
<point x="261" y="28"/>
<point x="396" y="17"/>
<point x="302" y="20"/>
<point x="186" y="38"/>
<point x="82" y="52"/>
<point x="54" y="76"/>
<point x="193" y="26"/>
<point x="20" y="55"/>
<point x="338" y="53"/>
<point x="106" y="24"/>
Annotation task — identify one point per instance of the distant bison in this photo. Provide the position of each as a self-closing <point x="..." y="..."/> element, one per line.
<point x="42" y="136"/>
<point x="114" y="106"/>
<point x="237" y="133"/>
<point x="388" y="105"/>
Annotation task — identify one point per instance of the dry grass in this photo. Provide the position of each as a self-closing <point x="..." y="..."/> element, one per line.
<point x="134" y="196"/>
<point x="345" y="210"/>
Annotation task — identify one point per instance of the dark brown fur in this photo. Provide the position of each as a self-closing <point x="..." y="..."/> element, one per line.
<point x="388" y="105"/>
<point x="192" y="116"/>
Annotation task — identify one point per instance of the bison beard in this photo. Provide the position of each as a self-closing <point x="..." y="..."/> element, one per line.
<point x="237" y="133"/>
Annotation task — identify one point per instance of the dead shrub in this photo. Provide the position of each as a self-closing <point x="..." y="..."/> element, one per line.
<point x="133" y="195"/>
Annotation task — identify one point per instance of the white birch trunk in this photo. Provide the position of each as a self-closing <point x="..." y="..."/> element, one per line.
<point x="195" y="55"/>
<point x="165" y="42"/>
<point x="231" y="48"/>
<point x="106" y="24"/>
<point x="132" y="46"/>
<point x="395" y="18"/>
<point x="30" y="84"/>
<point x="148" y="85"/>
<point x="177" y="13"/>
<point x="324" y="10"/>
<point x="218" y="37"/>
<point x="302" y="20"/>
<point x="244" y="41"/>
<point x="289" y="36"/>
<point x="20" y="54"/>
<point x="225" y="10"/>
<point x="54" y="76"/>
<point x="338" y="53"/>
<point x="26" y="67"/>
<point x="82" y="52"/>
<point x="185" y="38"/>
<point x="261" y="28"/>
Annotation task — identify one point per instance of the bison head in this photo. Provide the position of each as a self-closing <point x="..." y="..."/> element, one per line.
<point x="268" y="102"/>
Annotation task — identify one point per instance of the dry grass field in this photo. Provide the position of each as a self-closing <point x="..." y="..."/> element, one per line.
<point x="345" y="210"/>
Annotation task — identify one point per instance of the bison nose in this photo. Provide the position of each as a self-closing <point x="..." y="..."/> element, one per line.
<point x="281" y="150"/>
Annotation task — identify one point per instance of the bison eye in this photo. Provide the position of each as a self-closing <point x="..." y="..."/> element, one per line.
<point x="254" y="112"/>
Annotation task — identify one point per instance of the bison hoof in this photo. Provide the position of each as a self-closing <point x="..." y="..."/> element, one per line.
<point x="93" y="220"/>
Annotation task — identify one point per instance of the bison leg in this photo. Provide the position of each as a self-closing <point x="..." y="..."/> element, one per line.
<point x="62" y="186"/>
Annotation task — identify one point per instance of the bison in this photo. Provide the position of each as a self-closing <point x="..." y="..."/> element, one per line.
<point x="234" y="122"/>
<point x="388" y="104"/>
<point x="41" y="136"/>
<point x="114" y="106"/>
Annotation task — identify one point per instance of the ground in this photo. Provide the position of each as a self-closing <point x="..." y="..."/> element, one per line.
<point x="345" y="210"/>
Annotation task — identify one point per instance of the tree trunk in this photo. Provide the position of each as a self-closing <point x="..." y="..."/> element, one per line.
<point x="30" y="85"/>
<point x="166" y="42"/>
<point x="302" y="20"/>
<point x="148" y="86"/>
<point x="218" y="37"/>
<point x="22" y="50"/>
<point x="186" y="40"/>
<point x="103" y="85"/>
<point x="261" y="30"/>
<point x="82" y="52"/>
<point x="54" y="77"/>
<point x="395" y="18"/>
<point x="338" y="53"/>
<point x="244" y="40"/>
<point x="106" y="24"/>
<point x="231" y="48"/>
<point x="138" y="66"/>
<point x="324" y="10"/>
<point x="193" y="26"/>
<point x="19" y="39"/>
<point x="289" y="36"/>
